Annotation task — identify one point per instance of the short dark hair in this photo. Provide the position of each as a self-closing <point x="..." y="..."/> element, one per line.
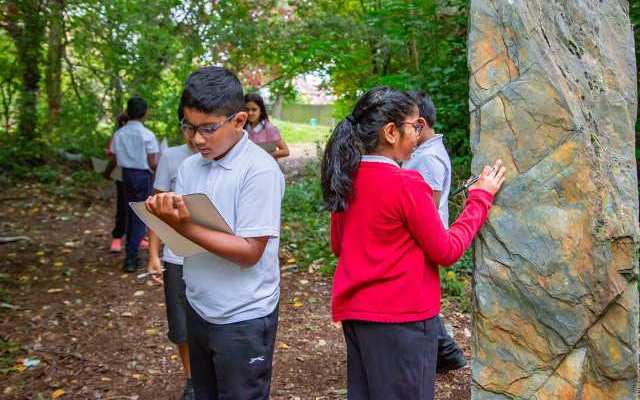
<point x="212" y="90"/>
<point x="256" y="98"/>
<point x="425" y="106"/>
<point x="136" y="107"/>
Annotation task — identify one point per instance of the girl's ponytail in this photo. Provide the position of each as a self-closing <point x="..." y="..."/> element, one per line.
<point x="339" y="163"/>
<point x="357" y="135"/>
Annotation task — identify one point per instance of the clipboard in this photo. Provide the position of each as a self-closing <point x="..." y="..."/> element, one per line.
<point x="100" y="165"/>
<point x="269" y="147"/>
<point x="203" y="212"/>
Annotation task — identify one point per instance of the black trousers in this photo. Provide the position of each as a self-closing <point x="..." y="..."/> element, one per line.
<point x="391" y="361"/>
<point x="120" y="227"/>
<point x="176" y="300"/>
<point x="231" y="361"/>
<point x="448" y="351"/>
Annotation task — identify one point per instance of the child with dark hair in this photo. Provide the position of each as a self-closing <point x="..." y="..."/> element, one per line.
<point x="120" y="226"/>
<point x="389" y="240"/>
<point x="136" y="150"/>
<point x="260" y="129"/>
<point x="432" y="161"/>
<point x="233" y="289"/>
<point x="170" y="277"/>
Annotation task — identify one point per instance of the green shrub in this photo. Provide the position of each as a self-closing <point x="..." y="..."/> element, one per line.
<point x="305" y="223"/>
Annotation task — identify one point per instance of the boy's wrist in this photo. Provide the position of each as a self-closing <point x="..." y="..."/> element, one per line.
<point x="183" y="227"/>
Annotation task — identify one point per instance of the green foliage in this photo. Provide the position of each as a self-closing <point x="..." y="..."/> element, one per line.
<point x="404" y="44"/>
<point x="464" y="266"/>
<point x="9" y="352"/>
<point x="305" y="223"/>
<point x="116" y="49"/>
<point x="451" y="283"/>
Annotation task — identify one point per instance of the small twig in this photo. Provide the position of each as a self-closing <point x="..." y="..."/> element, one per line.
<point x="12" y="198"/>
<point x="9" y="239"/>
<point x="293" y="267"/>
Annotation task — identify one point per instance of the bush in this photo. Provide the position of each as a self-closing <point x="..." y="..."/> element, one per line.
<point x="305" y="222"/>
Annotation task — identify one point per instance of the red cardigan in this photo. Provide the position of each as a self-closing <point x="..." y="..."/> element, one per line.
<point x="389" y="242"/>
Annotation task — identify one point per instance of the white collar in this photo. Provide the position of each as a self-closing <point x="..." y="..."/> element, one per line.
<point x="379" y="159"/>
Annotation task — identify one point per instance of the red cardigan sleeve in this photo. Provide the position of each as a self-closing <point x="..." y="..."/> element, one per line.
<point x="443" y="247"/>
<point x="337" y="228"/>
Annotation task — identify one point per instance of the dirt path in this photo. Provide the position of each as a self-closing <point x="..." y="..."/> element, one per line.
<point x="101" y="334"/>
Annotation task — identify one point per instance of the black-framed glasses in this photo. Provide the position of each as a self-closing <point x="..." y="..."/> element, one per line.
<point x="417" y="125"/>
<point x="205" y="130"/>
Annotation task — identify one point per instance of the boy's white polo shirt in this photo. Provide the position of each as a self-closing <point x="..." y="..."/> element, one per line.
<point x="247" y="187"/>
<point x="131" y="145"/>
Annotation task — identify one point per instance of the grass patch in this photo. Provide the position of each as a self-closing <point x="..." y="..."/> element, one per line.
<point x="301" y="133"/>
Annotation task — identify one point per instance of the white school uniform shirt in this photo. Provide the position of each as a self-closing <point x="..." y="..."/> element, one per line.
<point x="131" y="145"/>
<point x="166" y="175"/>
<point x="247" y="187"/>
<point x="432" y="161"/>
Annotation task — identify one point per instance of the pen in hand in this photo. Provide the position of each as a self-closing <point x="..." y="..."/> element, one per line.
<point x="466" y="185"/>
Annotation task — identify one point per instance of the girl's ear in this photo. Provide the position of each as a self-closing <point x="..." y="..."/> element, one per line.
<point x="390" y="133"/>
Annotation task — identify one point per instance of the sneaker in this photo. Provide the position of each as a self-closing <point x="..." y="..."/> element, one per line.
<point x="189" y="393"/>
<point x="132" y="265"/>
<point x="116" y="245"/>
<point x="144" y="244"/>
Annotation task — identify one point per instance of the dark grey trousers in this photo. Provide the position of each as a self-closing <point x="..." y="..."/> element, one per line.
<point x="391" y="361"/>
<point x="232" y="361"/>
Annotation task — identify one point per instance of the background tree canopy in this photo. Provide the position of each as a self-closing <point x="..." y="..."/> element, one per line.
<point x="68" y="66"/>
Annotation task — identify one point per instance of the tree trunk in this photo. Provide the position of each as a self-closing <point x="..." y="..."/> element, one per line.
<point x="277" y="107"/>
<point x="25" y="24"/>
<point x="413" y="45"/>
<point x="54" y="61"/>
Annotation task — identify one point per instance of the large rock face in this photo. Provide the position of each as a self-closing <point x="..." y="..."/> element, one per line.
<point x="553" y="94"/>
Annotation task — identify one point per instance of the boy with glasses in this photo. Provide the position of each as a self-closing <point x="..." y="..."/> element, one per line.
<point x="171" y="276"/>
<point x="432" y="161"/>
<point x="232" y="290"/>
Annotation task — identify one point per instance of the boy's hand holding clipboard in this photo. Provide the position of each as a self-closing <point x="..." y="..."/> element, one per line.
<point x="170" y="208"/>
<point x="169" y="215"/>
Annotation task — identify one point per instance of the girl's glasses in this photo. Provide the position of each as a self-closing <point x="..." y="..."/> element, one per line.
<point x="417" y="125"/>
<point x="205" y="130"/>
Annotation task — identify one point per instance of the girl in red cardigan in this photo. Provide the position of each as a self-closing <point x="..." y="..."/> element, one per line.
<point x="389" y="240"/>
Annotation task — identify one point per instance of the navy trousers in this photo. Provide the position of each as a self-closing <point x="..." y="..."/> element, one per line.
<point x="391" y="361"/>
<point x="137" y="187"/>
